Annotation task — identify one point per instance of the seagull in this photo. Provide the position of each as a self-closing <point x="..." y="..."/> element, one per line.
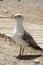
<point x="21" y="36"/>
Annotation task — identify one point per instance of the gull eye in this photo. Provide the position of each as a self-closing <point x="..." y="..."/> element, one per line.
<point x="19" y="15"/>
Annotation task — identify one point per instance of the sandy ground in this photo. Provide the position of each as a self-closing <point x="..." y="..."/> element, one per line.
<point x="9" y="54"/>
<point x="32" y="10"/>
<point x="33" y="13"/>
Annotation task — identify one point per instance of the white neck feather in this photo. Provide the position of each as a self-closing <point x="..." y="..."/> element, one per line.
<point x="18" y="30"/>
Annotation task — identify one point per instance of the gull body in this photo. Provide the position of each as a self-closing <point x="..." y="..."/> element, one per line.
<point x="23" y="38"/>
<point x="19" y="31"/>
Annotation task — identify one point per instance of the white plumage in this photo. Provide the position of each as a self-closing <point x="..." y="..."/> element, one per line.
<point x="21" y="37"/>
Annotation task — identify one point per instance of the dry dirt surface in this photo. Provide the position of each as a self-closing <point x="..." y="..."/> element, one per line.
<point x="9" y="54"/>
<point x="31" y="9"/>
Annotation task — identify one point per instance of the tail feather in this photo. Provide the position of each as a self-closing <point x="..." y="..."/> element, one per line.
<point x="35" y="46"/>
<point x="36" y="49"/>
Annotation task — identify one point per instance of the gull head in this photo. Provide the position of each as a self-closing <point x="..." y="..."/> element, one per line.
<point x="19" y="17"/>
<point x="18" y="30"/>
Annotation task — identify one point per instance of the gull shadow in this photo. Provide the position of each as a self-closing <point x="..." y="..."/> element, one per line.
<point x="27" y="57"/>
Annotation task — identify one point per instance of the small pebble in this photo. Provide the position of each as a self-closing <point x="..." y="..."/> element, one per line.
<point x="5" y="11"/>
<point x="36" y="61"/>
<point x="7" y="39"/>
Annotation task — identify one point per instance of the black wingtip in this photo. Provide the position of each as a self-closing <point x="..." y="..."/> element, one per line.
<point x="38" y="48"/>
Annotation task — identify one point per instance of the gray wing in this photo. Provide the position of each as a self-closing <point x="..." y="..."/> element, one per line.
<point x="29" y="39"/>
